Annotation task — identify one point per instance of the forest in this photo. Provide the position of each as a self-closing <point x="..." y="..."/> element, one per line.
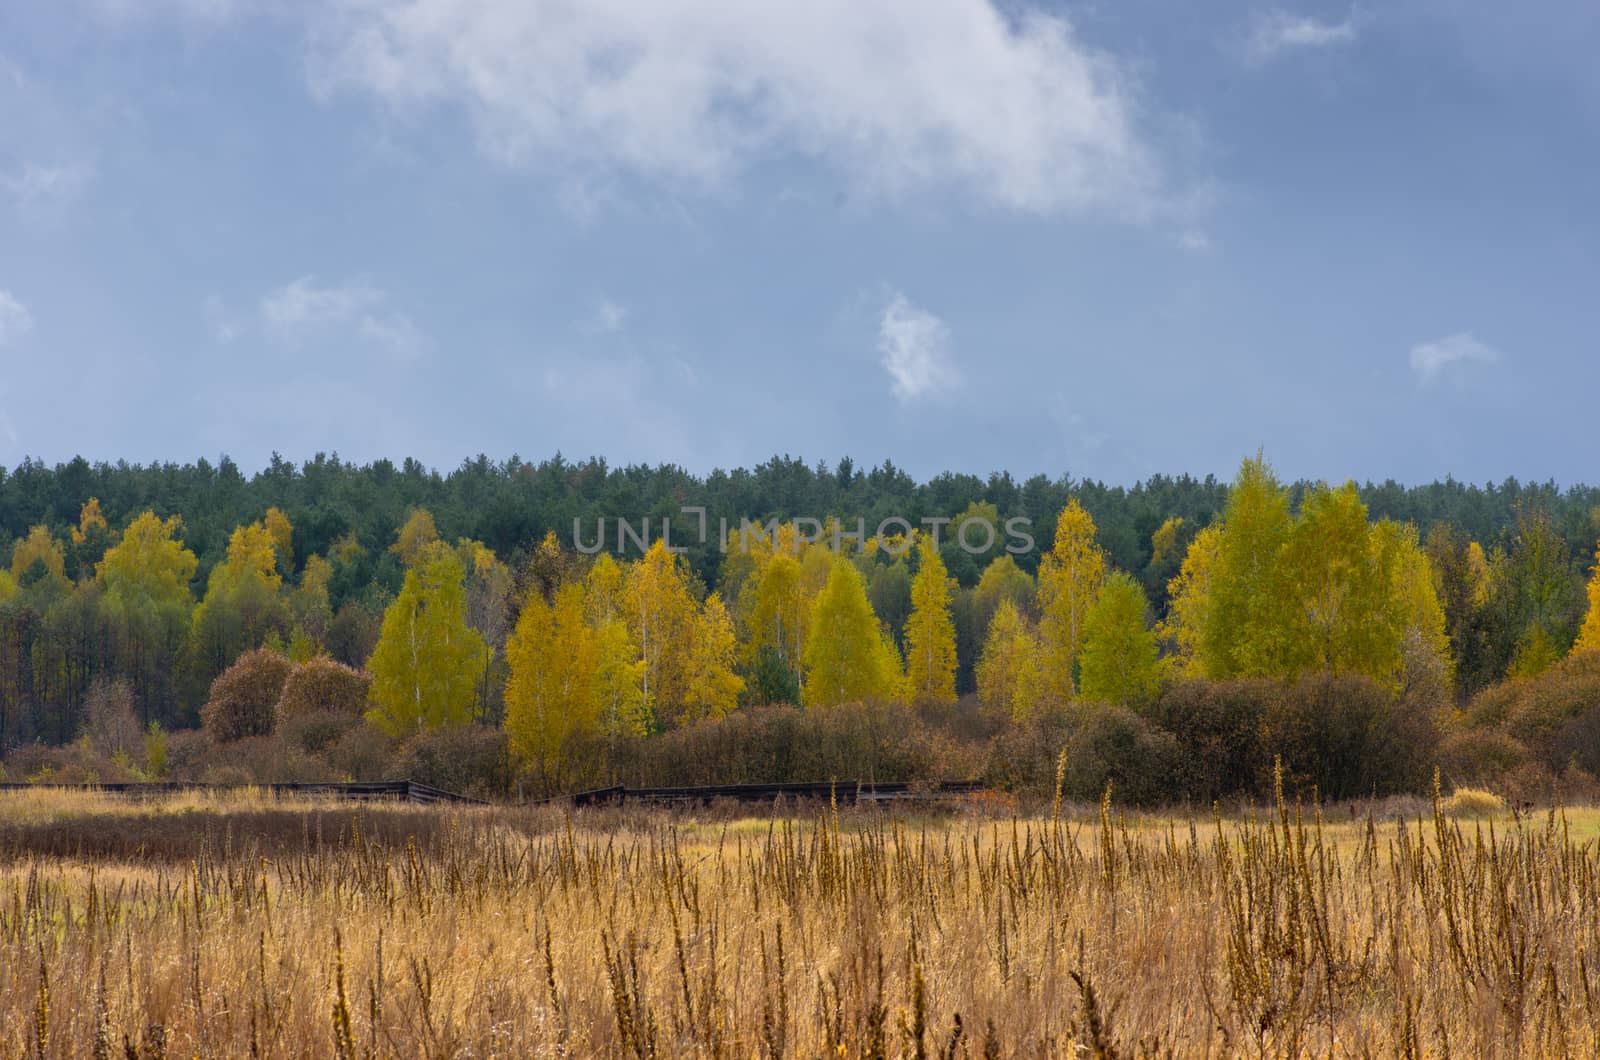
<point x="1180" y="639"/>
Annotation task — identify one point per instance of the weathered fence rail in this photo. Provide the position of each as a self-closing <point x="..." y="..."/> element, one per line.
<point x="850" y="791"/>
<point x="370" y="791"/>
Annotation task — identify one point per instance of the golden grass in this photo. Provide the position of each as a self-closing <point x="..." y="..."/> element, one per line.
<point x="538" y="933"/>
<point x="1474" y="802"/>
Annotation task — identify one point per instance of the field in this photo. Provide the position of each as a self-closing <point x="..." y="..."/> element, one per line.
<point x="234" y="926"/>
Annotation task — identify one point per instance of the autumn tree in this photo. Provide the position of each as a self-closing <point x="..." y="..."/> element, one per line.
<point x="145" y="580"/>
<point x="1118" y="664"/>
<point x="38" y="555"/>
<point x="1589" y="633"/>
<point x="848" y="657"/>
<point x="714" y="686"/>
<point x="551" y="691"/>
<point x="1189" y="593"/>
<point x="660" y="614"/>
<point x="1002" y="580"/>
<point x="1070" y="577"/>
<point x="242" y="607"/>
<point x="90" y="540"/>
<point x="1008" y="668"/>
<point x="1267" y="594"/>
<point x="619" y="682"/>
<point x="489" y="587"/>
<point x="415" y="537"/>
<point x="1246" y="627"/>
<point x="281" y="531"/>
<point x="426" y="665"/>
<point x="930" y="636"/>
<point x="312" y="610"/>
<point x="777" y="612"/>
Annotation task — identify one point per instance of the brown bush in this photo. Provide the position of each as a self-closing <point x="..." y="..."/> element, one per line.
<point x="1347" y="736"/>
<point x="110" y="722"/>
<point x="1479" y="757"/>
<point x="1218" y="726"/>
<point x="315" y="732"/>
<point x="364" y="753"/>
<point x="1114" y="746"/>
<point x="466" y="759"/>
<point x="244" y="697"/>
<point x="786" y="744"/>
<point x="1555" y="715"/>
<point x="323" y="685"/>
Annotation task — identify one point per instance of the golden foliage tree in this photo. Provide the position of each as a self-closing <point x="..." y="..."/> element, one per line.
<point x="660" y="614"/>
<point x="242" y="608"/>
<point x="1070" y="577"/>
<point x="1589" y="634"/>
<point x="714" y="686"/>
<point x="282" y="533"/>
<point x="847" y="656"/>
<point x="1265" y="593"/>
<point x="426" y="666"/>
<point x="930" y="633"/>
<point x="1008" y="668"/>
<point x="145" y="578"/>
<point x="776" y="613"/>
<point x="619" y="682"/>
<point x="39" y="547"/>
<point x="415" y="536"/>
<point x="550" y="693"/>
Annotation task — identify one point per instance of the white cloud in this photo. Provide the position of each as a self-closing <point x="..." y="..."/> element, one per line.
<point x="301" y="307"/>
<point x="15" y="320"/>
<point x="609" y="316"/>
<point x="35" y="184"/>
<point x="915" y="348"/>
<point x="1277" y="31"/>
<point x="1194" y="240"/>
<point x="896" y="94"/>
<point x="395" y="331"/>
<point x="1430" y="360"/>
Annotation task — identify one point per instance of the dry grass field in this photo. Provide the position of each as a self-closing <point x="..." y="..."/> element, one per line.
<point x="242" y="926"/>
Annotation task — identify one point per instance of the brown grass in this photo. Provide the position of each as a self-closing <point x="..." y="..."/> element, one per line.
<point x="538" y="933"/>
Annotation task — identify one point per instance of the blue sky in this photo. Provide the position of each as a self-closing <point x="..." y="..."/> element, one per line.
<point x="1107" y="240"/>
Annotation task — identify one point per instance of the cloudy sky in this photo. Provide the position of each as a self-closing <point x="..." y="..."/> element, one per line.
<point x="1104" y="239"/>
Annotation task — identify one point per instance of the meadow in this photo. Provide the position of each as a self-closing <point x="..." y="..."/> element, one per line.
<point x="240" y="925"/>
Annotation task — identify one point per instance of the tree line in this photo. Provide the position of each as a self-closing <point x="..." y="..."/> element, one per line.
<point x="350" y="596"/>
